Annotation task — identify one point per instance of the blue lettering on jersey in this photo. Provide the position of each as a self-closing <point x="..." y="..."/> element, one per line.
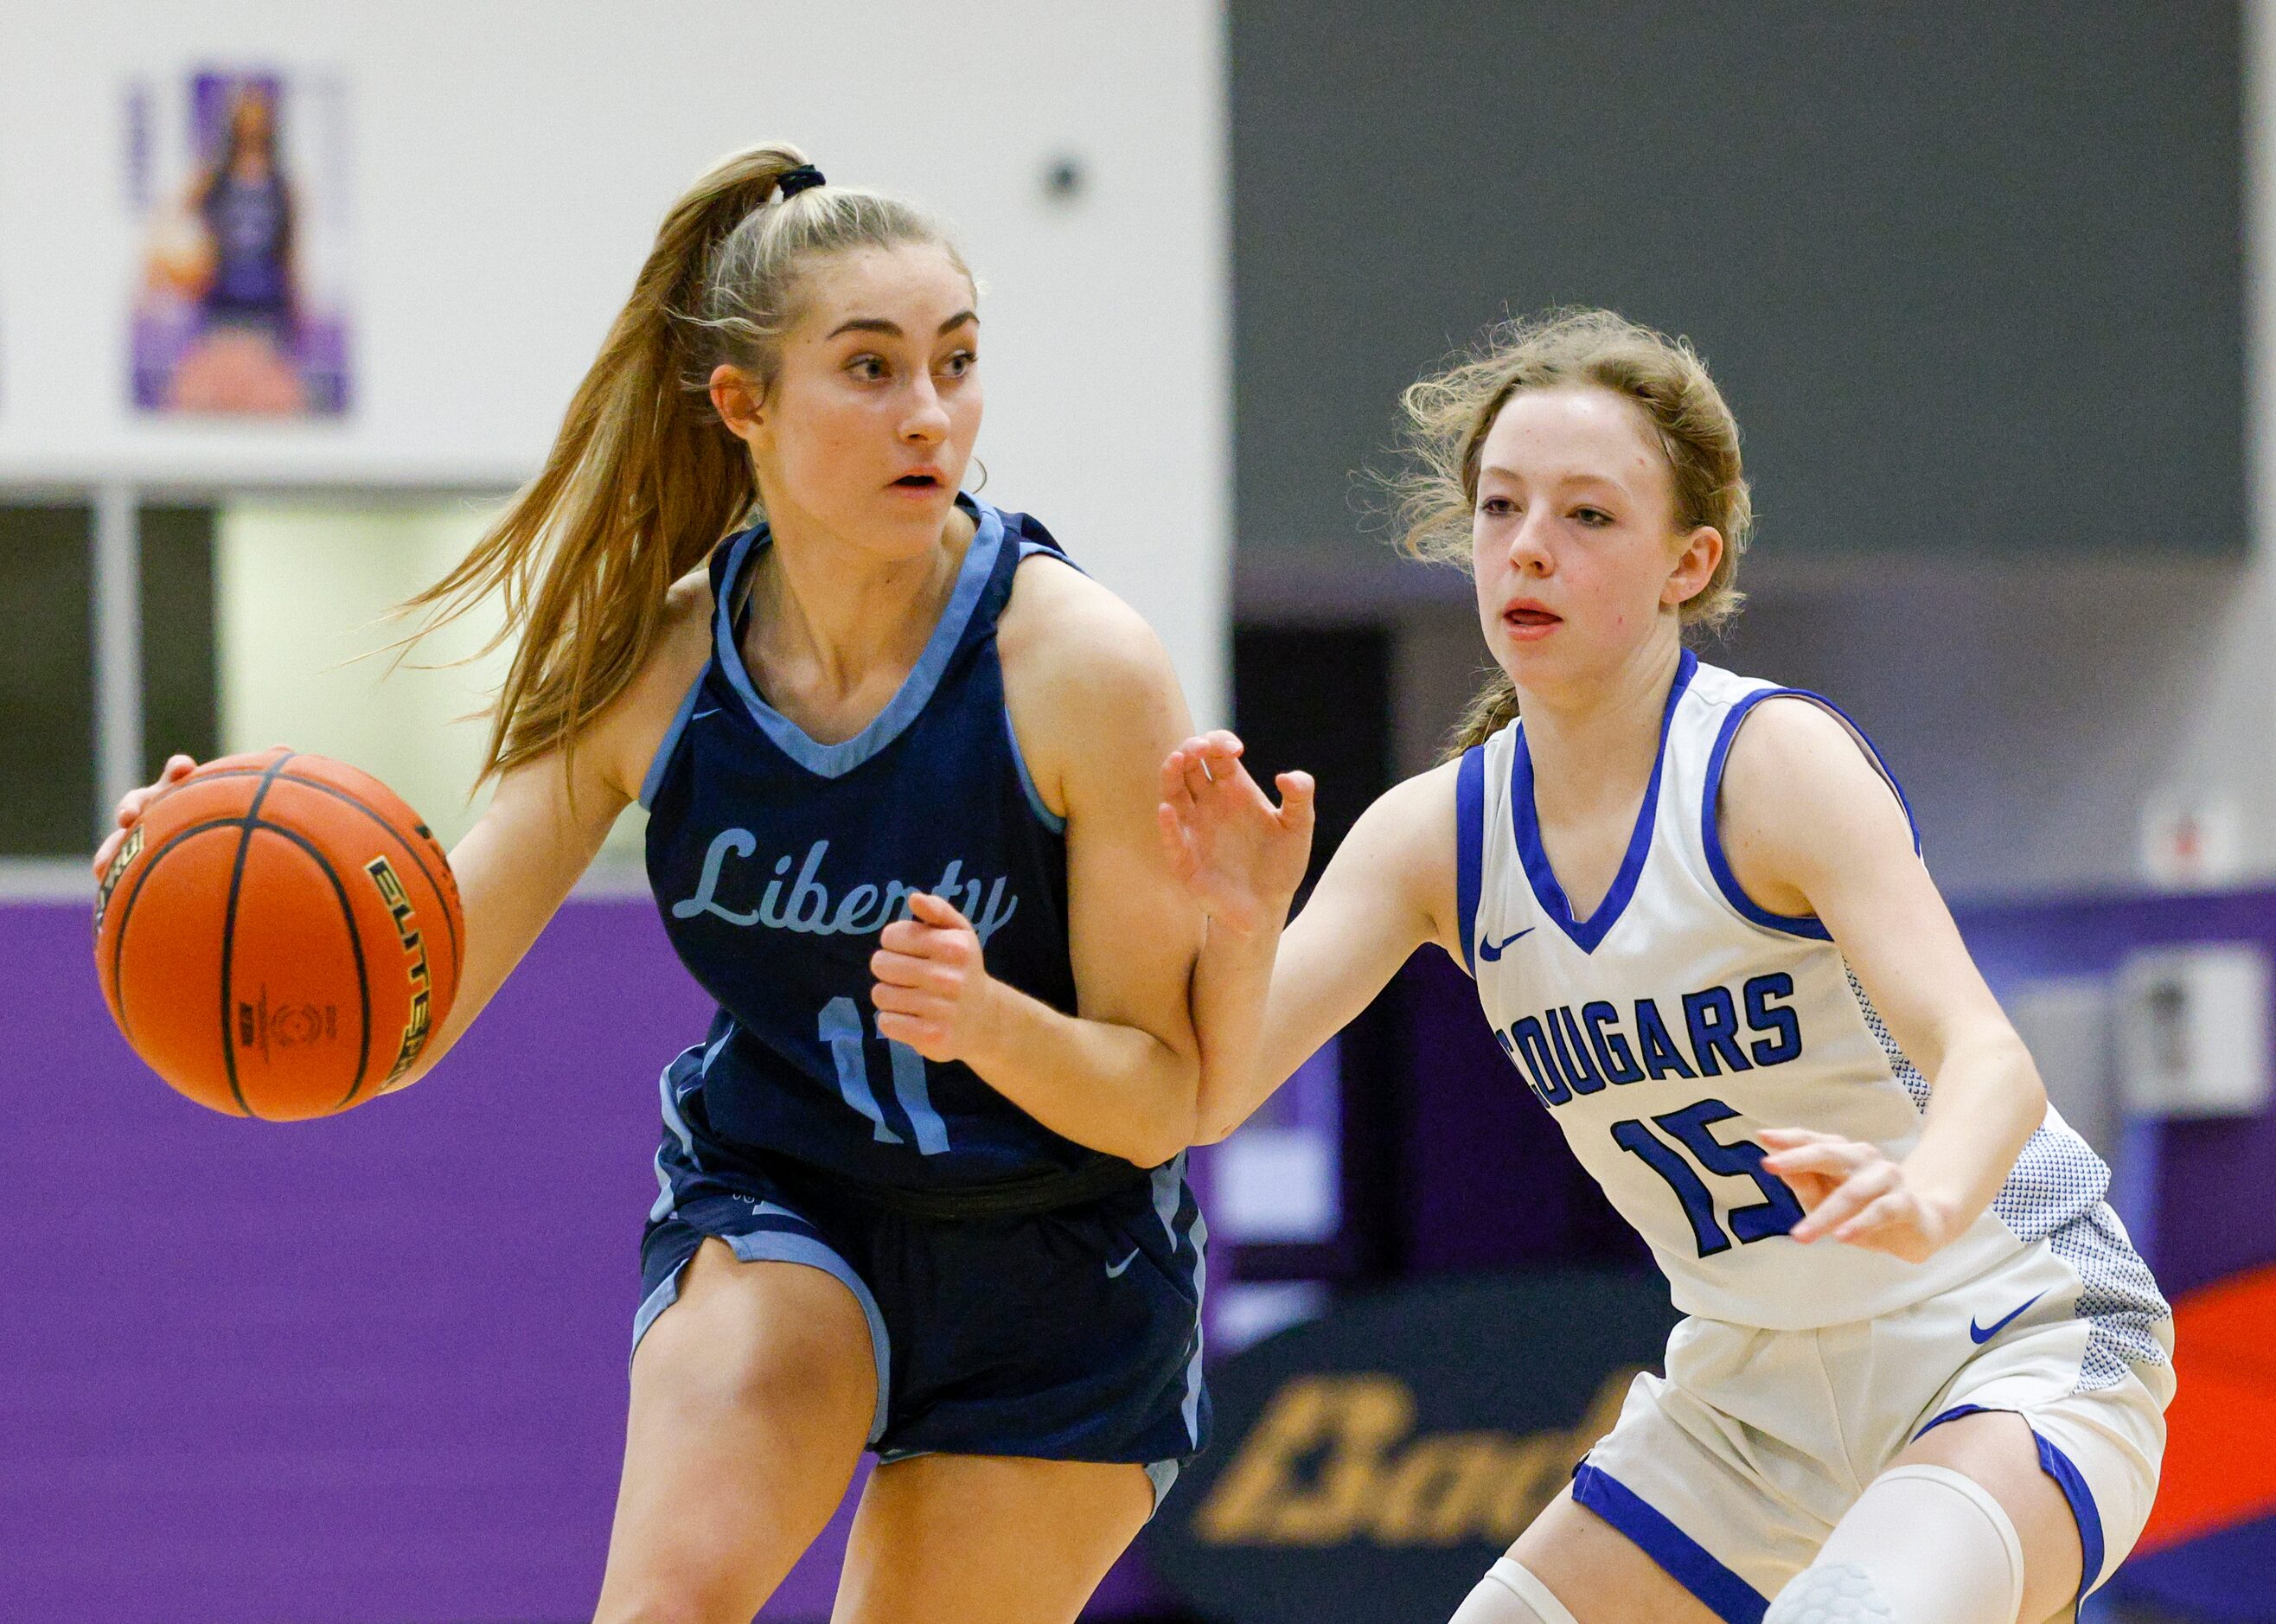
<point x="1714" y="1026"/>
<point x="1533" y="1048"/>
<point x="1559" y="1055"/>
<point x="1613" y="1051"/>
<point x="1761" y="1017"/>
<point x="861" y="911"/>
<point x="1661" y="1056"/>
<point x="1579" y="1070"/>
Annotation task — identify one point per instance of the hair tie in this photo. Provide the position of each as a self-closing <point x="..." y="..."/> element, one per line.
<point x="797" y="180"/>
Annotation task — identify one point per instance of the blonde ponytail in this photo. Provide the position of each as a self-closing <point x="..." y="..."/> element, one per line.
<point x="644" y="479"/>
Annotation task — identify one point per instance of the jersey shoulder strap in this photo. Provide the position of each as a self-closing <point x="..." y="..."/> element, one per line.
<point x="1027" y="531"/>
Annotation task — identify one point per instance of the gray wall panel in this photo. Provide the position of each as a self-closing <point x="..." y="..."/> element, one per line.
<point x="1972" y="277"/>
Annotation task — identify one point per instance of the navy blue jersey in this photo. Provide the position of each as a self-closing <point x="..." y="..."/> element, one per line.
<point x="776" y="862"/>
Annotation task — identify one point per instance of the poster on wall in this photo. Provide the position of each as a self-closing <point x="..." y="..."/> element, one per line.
<point x="237" y="181"/>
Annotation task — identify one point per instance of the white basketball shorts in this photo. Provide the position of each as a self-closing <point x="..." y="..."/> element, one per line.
<point x="1731" y="1469"/>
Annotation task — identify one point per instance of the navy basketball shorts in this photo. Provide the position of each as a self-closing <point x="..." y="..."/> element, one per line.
<point x="1072" y="1334"/>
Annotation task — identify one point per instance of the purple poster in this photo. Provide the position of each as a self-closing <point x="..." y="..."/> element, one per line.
<point x="237" y="182"/>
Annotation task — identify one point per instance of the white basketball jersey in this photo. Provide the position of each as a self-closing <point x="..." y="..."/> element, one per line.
<point x="1679" y="1018"/>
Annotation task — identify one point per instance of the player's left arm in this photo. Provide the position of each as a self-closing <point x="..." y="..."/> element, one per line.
<point x="1811" y="827"/>
<point x="1096" y="707"/>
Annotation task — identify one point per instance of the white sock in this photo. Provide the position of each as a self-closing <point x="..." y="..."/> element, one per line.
<point x="1923" y="1545"/>
<point x="1509" y="1595"/>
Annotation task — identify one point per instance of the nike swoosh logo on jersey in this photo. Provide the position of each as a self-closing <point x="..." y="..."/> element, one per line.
<point x="700" y="714"/>
<point x="1114" y="1271"/>
<point x="1492" y="952"/>
<point x="1982" y="1334"/>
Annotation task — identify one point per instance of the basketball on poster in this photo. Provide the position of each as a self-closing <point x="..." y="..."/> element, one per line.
<point x="238" y="178"/>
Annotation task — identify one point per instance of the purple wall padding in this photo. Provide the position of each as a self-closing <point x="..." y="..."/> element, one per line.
<point x="1491" y="1184"/>
<point x="2199" y="1189"/>
<point x="365" y="1370"/>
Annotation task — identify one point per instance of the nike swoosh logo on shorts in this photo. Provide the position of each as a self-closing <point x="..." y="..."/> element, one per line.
<point x="1492" y="952"/>
<point x="1985" y="1333"/>
<point x="1114" y="1271"/>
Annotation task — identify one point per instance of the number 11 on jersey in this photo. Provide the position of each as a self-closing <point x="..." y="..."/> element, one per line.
<point x="841" y="1033"/>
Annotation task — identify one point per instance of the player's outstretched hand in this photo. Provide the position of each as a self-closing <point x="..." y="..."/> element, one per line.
<point x="933" y="991"/>
<point x="1240" y="856"/>
<point x="131" y="805"/>
<point x="1855" y="1193"/>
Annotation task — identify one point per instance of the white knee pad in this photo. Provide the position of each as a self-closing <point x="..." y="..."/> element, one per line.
<point x="1509" y="1595"/>
<point x="1923" y="1545"/>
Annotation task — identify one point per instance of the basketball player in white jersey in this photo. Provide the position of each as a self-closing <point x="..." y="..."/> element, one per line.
<point x="1923" y="1373"/>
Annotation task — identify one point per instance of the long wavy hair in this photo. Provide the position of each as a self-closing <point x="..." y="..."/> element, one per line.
<point x="1450" y="412"/>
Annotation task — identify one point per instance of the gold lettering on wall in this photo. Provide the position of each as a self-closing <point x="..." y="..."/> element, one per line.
<point x="1335" y="1459"/>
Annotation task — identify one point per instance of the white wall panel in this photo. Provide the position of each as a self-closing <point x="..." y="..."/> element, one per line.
<point x="510" y="161"/>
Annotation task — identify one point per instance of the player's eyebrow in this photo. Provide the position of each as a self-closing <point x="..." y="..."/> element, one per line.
<point x="892" y="330"/>
<point x="1565" y="482"/>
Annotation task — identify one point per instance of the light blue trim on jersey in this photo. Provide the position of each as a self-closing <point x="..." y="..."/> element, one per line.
<point x="672" y="1119"/>
<point x="1680" y="1557"/>
<point x="656" y="768"/>
<point x="1197" y="1236"/>
<point x="1029" y="549"/>
<point x="1526" y="822"/>
<point x="662" y="1206"/>
<point x="835" y="761"/>
<point x="1169" y="1181"/>
<point x="1710" y="834"/>
<point x="778" y="1245"/>
<point x="1044" y="815"/>
<point x="1469" y="847"/>
<point x="783" y="1246"/>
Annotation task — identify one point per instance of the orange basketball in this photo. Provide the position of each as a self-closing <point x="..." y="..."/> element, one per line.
<point x="279" y="936"/>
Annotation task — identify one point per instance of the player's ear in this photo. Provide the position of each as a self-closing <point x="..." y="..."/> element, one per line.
<point x="1695" y="565"/>
<point x="738" y="400"/>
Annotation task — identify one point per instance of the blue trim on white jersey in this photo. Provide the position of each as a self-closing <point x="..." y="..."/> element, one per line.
<point x="655" y="779"/>
<point x="1586" y="933"/>
<point x="1680" y="1557"/>
<point x="1718" y="862"/>
<point x="2072" y="1482"/>
<point x="2067" y="1478"/>
<point x="835" y="761"/>
<point x="1470" y="846"/>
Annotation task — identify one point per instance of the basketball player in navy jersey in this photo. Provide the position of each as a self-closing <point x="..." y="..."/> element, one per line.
<point x="920" y="1186"/>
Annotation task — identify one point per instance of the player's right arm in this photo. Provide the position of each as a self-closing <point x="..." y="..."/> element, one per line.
<point x="546" y="820"/>
<point x="1266" y="998"/>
